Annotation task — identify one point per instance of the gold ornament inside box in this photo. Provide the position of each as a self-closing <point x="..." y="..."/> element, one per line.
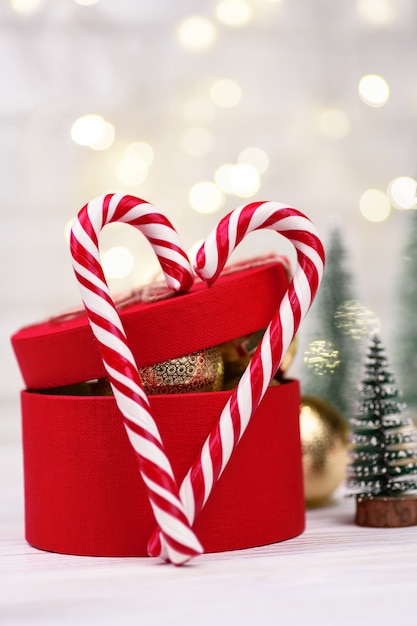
<point x="217" y="368"/>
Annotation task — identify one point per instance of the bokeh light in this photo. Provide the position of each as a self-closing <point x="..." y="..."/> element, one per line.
<point x="321" y="357"/>
<point x="117" y="262"/>
<point x="106" y="140"/>
<point x="355" y="320"/>
<point x="197" y="33"/>
<point x="192" y="252"/>
<point x="226" y="93"/>
<point x="26" y="6"/>
<point x="373" y="90"/>
<point x="377" y="12"/>
<point x="198" y="141"/>
<point x="245" y="180"/>
<point x="238" y="179"/>
<point x="132" y="170"/>
<point x="89" y="130"/>
<point x="402" y="192"/>
<point x="199" y="110"/>
<point x="86" y="3"/>
<point x="223" y="177"/>
<point x="140" y="149"/>
<point x="234" y="13"/>
<point x="374" y="205"/>
<point x="205" y="197"/>
<point x="67" y="230"/>
<point x="334" y="123"/>
<point x="256" y="157"/>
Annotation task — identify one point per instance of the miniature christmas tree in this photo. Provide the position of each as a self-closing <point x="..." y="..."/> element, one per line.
<point x="384" y="454"/>
<point x="406" y="337"/>
<point x="332" y="353"/>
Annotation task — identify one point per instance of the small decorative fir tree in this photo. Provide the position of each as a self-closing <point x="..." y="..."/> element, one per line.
<point x="332" y="353"/>
<point x="384" y="454"/>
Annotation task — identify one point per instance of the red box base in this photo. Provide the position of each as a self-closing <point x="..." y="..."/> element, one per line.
<point x="84" y="494"/>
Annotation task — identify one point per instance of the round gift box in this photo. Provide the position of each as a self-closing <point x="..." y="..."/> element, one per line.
<point x="63" y="350"/>
<point x="84" y="494"/>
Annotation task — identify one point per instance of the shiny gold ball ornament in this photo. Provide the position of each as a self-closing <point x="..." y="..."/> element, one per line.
<point x="238" y="352"/>
<point x="324" y="438"/>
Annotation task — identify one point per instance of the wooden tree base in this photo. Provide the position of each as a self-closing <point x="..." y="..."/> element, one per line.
<point x="387" y="512"/>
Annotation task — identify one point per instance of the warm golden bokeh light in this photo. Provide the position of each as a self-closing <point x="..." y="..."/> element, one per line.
<point x="375" y="205"/>
<point x="132" y="170"/>
<point x="192" y="252"/>
<point x="355" y="320"/>
<point x="199" y="110"/>
<point x="26" y="6"/>
<point x="106" y="140"/>
<point x="334" y="123"/>
<point x="89" y="130"/>
<point x="226" y="93"/>
<point x="256" y="157"/>
<point x="205" y="197"/>
<point x="373" y="90"/>
<point x="234" y="13"/>
<point x="67" y="230"/>
<point x="402" y="192"/>
<point x="321" y="357"/>
<point x="117" y="262"/>
<point x="377" y="12"/>
<point x="223" y="177"/>
<point x="86" y="3"/>
<point x="140" y="149"/>
<point x="245" y="180"/>
<point x="197" y="33"/>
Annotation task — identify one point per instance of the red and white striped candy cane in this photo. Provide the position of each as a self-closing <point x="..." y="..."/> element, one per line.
<point x="210" y="260"/>
<point x="180" y="542"/>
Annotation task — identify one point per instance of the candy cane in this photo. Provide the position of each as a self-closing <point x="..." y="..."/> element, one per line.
<point x="179" y="541"/>
<point x="210" y="260"/>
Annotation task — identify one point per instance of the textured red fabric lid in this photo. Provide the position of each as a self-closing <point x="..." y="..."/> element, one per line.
<point x="63" y="350"/>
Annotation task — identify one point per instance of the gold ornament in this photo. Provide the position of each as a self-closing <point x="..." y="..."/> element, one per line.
<point x="324" y="438"/>
<point x="195" y="372"/>
<point x="237" y="354"/>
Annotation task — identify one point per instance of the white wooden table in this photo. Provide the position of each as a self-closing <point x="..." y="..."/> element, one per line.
<point x="335" y="573"/>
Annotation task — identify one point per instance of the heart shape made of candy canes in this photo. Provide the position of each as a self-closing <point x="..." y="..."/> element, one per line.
<point x="174" y="508"/>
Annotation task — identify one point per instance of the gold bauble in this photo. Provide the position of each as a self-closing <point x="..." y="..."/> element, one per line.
<point x="237" y="355"/>
<point x="324" y="438"/>
<point x="196" y="372"/>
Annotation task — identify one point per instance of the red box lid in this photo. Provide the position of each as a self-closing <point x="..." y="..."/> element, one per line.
<point x="159" y="326"/>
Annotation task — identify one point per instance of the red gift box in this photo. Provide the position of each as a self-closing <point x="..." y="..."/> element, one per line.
<point x="83" y="491"/>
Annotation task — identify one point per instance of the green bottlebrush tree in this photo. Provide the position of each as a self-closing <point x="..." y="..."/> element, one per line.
<point x="406" y="336"/>
<point x="384" y="439"/>
<point x="332" y="351"/>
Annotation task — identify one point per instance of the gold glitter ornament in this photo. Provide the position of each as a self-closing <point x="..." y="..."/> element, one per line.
<point x="196" y="372"/>
<point x="324" y="438"/>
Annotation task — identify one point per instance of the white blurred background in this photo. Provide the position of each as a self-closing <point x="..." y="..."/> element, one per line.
<point x="199" y="107"/>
